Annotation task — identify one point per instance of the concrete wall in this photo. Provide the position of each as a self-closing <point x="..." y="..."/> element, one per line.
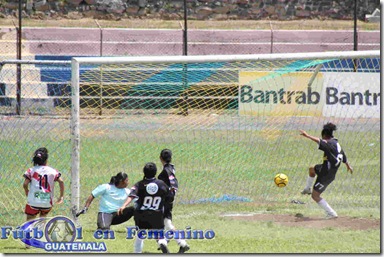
<point x="197" y="9"/>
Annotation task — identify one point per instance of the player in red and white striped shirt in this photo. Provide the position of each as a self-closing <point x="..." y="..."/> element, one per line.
<point x="39" y="186"/>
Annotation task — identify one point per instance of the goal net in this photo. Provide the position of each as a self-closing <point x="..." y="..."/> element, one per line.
<point x="232" y="123"/>
<point x="34" y="112"/>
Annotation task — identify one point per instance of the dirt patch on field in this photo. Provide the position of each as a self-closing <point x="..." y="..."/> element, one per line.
<point x="313" y="222"/>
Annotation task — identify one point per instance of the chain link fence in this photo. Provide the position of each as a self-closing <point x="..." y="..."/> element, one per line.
<point x="128" y="114"/>
<point x="43" y="121"/>
<point x="47" y="43"/>
<point x="45" y="95"/>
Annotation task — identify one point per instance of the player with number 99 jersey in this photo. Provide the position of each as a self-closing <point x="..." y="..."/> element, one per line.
<point x="150" y="194"/>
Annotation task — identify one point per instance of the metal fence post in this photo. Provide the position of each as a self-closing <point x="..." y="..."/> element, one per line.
<point x="101" y="71"/>
<point x="18" y="86"/>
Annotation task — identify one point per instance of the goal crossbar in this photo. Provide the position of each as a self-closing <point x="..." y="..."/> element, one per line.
<point x="225" y="58"/>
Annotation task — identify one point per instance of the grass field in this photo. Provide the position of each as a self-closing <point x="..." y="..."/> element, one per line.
<point x="233" y="236"/>
<point x="221" y="171"/>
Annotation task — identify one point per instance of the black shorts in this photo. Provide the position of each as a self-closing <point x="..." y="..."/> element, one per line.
<point x="168" y="210"/>
<point x="323" y="180"/>
<point x="149" y="219"/>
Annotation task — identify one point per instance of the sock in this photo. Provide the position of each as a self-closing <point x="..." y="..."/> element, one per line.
<point x="328" y="209"/>
<point x="162" y="241"/>
<point x="309" y="182"/>
<point x="168" y="224"/>
<point x="181" y="242"/>
<point x="139" y="243"/>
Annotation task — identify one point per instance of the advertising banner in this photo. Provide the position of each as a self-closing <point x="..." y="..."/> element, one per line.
<point x="331" y="94"/>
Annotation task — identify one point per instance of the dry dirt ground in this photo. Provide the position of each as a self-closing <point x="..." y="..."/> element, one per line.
<point x="314" y="222"/>
<point x="196" y="24"/>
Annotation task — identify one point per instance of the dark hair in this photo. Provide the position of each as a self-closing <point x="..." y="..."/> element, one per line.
<point x="121" y="176"/>
<point x="166" y="155"/>
<point x="40" y="156"/>
<point x="328" y="129"/>
<point x="150" y="170"/>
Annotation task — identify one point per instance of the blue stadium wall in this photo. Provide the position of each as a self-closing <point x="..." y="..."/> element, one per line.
<point x="58" y="80"/>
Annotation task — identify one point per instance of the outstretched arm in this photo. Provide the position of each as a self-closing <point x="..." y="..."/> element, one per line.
<point x="120" y="211"/>
<point x="349" y="168"/>
<point x="61" y="197"/>
<point x="86" y="206"/>
<point x="25" y="186"/>
<point x="305" y="134"/>
<point x="89" y="201"/>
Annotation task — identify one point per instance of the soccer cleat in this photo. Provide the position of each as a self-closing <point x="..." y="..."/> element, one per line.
<point x="331" y="216"/>
<point x="164" y="248"/>
<point x="306" y="191"/>
<point x="183" y="249"/>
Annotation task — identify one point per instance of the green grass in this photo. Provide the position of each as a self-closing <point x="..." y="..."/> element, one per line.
<point x="233" y="236"/>
<point x="210" y="164"/>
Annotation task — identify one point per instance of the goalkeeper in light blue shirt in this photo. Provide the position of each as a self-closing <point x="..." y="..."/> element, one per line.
<point x="112" y="197"/>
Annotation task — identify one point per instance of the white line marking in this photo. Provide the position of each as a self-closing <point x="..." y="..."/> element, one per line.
<point x="189" y="43"/>
<point x="243" y="214"/>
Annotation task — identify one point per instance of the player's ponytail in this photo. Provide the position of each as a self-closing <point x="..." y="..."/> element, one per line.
<point x="328" y="129"/>
<point x="115" y="180"/>
<point x="166" y="155"/>
<point x="40" y="156"/>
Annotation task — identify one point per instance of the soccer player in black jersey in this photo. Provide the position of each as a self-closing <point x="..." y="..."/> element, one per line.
<point x="326" y="172"/>
<point x="151" y="194"/>
<point x="168" y="175"/>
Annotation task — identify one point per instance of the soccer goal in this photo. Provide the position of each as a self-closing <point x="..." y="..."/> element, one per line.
<point x="231" y="121"/>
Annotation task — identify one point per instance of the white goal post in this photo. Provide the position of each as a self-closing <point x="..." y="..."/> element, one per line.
<point x="253" y="70"/>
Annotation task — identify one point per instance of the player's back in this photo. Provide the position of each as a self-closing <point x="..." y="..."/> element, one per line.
<point x="168" y="175"/>
<point x="42" y="185"/>
<point x="332" y="151"/>
<point x="151" y="193"/>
